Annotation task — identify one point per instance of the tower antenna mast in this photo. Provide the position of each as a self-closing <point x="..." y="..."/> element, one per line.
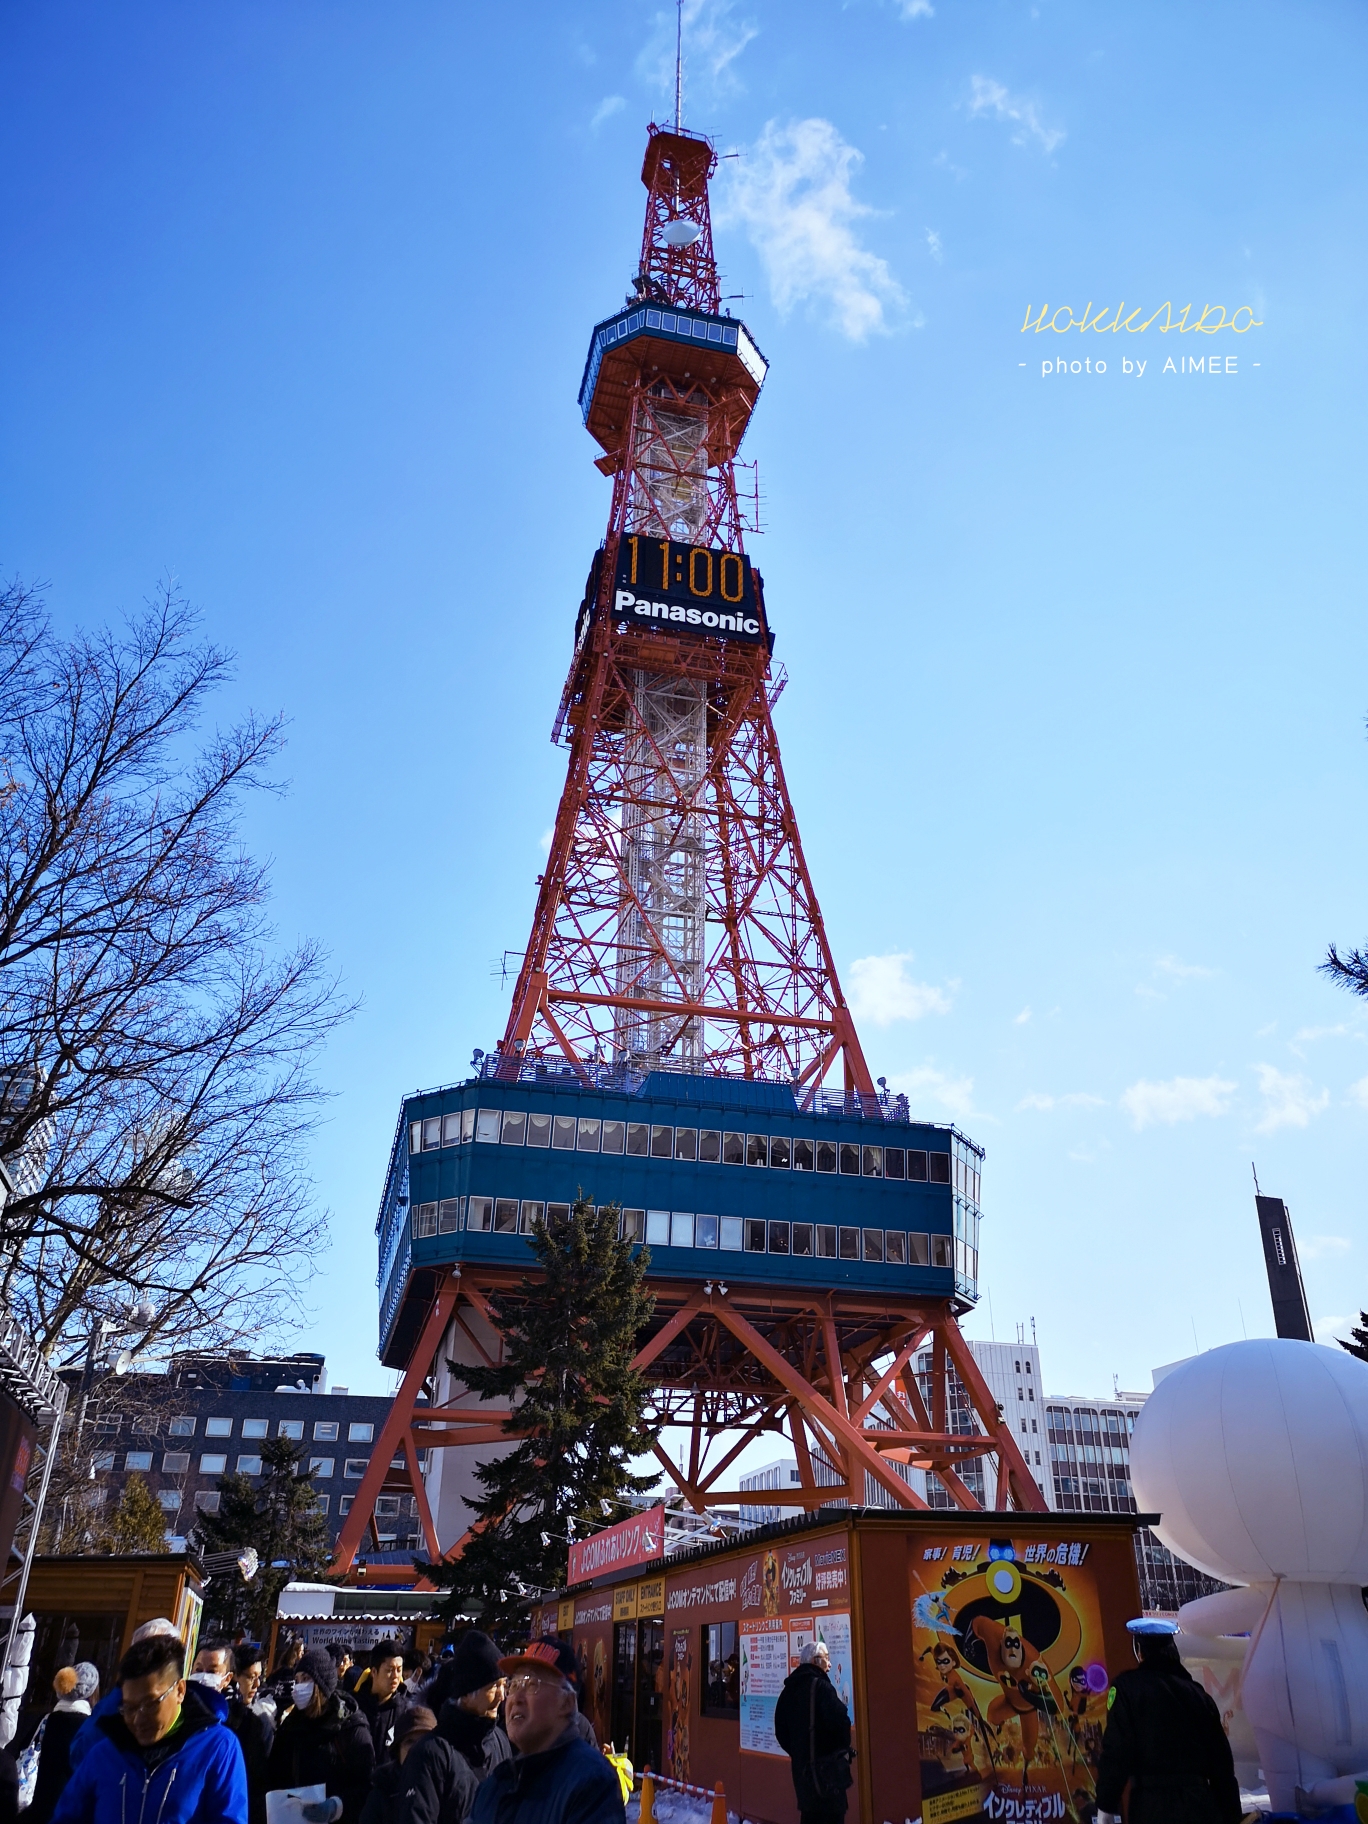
<point x="679" y="64"/>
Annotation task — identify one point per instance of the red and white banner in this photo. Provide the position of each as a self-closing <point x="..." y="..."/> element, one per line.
<point x="639" y="1540"/>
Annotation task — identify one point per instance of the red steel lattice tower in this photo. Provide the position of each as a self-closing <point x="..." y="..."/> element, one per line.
<point x="676" y="923"/>
<point x="677" y="930"/>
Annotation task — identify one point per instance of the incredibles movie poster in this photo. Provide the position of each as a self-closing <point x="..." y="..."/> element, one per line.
<point x="1010" y="1676"/>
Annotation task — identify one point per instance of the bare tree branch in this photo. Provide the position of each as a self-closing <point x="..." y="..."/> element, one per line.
<point x="155" y="1042"/>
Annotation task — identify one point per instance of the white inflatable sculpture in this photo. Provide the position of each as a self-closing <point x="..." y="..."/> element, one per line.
<point x="1256" y="1457"/>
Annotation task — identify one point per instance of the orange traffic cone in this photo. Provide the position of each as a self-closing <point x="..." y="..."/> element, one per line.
<point x="719" y="1810"/>
<point x="648" y="1798"/>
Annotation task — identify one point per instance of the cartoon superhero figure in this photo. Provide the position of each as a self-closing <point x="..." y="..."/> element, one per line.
<point x="769" y="1593"/>
<point x="1010" y="1659"/>
<point x="954" y="1689"/>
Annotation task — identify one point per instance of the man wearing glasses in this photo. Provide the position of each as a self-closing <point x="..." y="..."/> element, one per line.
<point x="555" y="1777"/>
<point x="164" y="1755"/>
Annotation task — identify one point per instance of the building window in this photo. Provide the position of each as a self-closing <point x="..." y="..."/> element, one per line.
<point x="360" y="1433"/>
<point x="170" y="1499"/>
<point x="755" y="1235"/>
<point x="658" y="1227"/>
<point x="662" y="1142"/>
<point x="354" y="1468"/>
<point x="563" y="1130"/>
<point x="182" y="1427"/>
<point x="940" y="1167"/>
<point x="207" y="1501"/>
<point x="344" y="1504"/>
<point x="849" y="1244"/>
<point x="514" y="1127"/>
<point x="138" y="1459"/>
<point x="686" y="1143"/>
<point x="249" y="1466"/>
<point x="895" y="1248"/>
<point x="730" y="1233"/>
<point x="757" y="1149"/>
<point x="256" y="1428"/>
<point x="587" y="1137"/>
<point x="826" y="1241"/>
<point x="638" y="1139"/>
<point x="218" y="1428"/>
<point x="487" y="1126"/>
<point x="614" y="1133"/>
<point x="386" y="1506"/>
<point x="733" y="1149"/>
<point x="175" y="1462"/>
<point x="722" y="1675"/>
<point x="213" y="1464"/>
<point x="102" y="1461"/>
<point x="873" y="1244"/>
<point x="323" y="1467"/>
<point x="710" y="1146"/>
<point x="325" y="1431"/>
<point x="850" y="1158"/>
<point x="826" y="1156"/>
<point x="290" y="1428"/>
<point x="322" y="1502"/>
<point x="539" y="1130"/>
<point x="634" y="1225"/>
<point x="802" y="1155"/>
<point x="873" y="1161"/>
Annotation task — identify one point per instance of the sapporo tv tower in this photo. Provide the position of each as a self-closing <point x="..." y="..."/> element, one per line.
<point x="677" y="1015"/>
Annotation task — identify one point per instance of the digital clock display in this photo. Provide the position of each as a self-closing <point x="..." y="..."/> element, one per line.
<point x="696" y="589"/>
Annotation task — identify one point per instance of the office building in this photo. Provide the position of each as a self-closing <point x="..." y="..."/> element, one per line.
<point x="209" y="1415"/>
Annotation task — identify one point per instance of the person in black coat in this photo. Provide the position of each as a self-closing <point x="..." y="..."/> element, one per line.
<point x="384" y="1701"/>
<point x="1164" y="1734"/>
<point x="810" y="1723"/>
<point x="254" y="1727"/>
<point x="324" y="1740"/>
<point x="77" y="1688"/>
<point x="473" y="1689"/>
<point x="427" y="1782"/>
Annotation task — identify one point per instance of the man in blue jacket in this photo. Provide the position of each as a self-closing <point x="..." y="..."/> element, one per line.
<point x="165" y="1757"/>
<point x="555" y="1777"/>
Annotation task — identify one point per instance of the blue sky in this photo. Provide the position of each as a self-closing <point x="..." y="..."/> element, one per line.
<point x="296" y="300"/>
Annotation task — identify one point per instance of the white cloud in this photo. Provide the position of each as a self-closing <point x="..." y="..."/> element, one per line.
<point x="926" y="1085"/>
<point x="1074" y="1099"/>
<point x="915" y="9"/>
<point x="610" y="105"/>
<point x="1358" y="1092"/>
<point x="713" y="40"/>
<point x="1178" y="1099"/>
<point x="544" y="841"/>
<point x="792" y="194"/>
<point x="933" y="242"/>
<point x="1323" y="1247"/>
<point x="1289" y="1101"/>
<point x="881" y="991"/>
<point x="991" y="98"/>
<point x="1328" y="1329"/>
<point x="1022" y="1018"/>
<point x="1182" y="972"/>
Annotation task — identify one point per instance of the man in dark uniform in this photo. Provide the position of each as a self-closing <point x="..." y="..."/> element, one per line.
<point x="1164" y="1739"/>
<point x="812" y="1726"/>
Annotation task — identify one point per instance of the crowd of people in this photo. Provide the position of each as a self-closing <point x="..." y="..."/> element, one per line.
<point x="321" y="1738"/>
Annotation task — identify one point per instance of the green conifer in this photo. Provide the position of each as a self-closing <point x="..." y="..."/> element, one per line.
<point x="1359" y="1345"/>
<point x="137" y="1524"/>
<point x="570" y="1336"/>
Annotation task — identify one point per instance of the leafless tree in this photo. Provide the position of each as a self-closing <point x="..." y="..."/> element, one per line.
<point x="155" y="1040"/>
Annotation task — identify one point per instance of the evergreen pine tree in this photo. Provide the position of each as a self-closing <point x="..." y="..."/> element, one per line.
<point x="569" y="1339"/>
<point x="279" y="1515"/>
<point x="137" y="1524"/>
<point x="1359" y="1344"/>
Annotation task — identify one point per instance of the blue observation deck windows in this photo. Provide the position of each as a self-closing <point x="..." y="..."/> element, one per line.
<point x="514" y="1128"/>
<point x="709" y="1146"/>
<point x="590" y="1130"/>
<point x="849" y="1153"/>
<point x="802" y="1155"/>
<point x="638" y="1139"/>
<point x="686" y="1143"/>
<point x="563" y="1130"/>
<point x="826" y="1155"/>
<point x="733" y="1149"/>
<point x="685" y="1229"/>
<point x="539" y="1130"/>
<point x="487" y="1122"/>
<point x="781" y="1152"/>
<point x="614" y="1136"/>
<point x="757" y="1149"/>
<point x="662" y="1143"/>
<point x="872" y="1161"/>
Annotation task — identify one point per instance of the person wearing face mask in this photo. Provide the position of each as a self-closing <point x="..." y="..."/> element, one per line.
<point x="385" y="1702"/>
<point x="473" y="1689"/>
<point x="322" y="1741"/>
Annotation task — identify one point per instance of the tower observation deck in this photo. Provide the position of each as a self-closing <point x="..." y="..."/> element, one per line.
<point x="677" y="1018"/>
